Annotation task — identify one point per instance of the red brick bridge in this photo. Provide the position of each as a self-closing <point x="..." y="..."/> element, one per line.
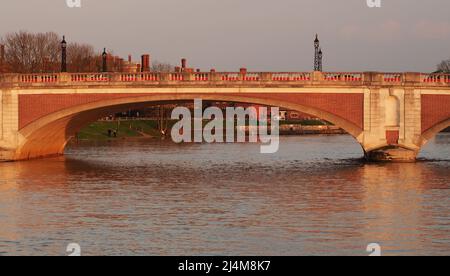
<point x="392" y="115"/>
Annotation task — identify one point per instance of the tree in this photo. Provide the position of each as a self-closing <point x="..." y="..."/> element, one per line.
<point x="41" y="53"/>
<point x="82" y="58"/>
<point x="161" y="67"/>
<point x="444" y="66"/>
<point x="27" y="53"/>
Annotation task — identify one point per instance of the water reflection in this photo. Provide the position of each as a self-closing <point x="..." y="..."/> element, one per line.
<point x="314" y="197"/>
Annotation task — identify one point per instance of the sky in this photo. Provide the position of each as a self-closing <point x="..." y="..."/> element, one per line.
<point x="261" y="35"/>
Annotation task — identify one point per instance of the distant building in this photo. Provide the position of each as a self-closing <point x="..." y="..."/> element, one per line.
<point x="131" y="67"/>
<point x="300" y="116"/>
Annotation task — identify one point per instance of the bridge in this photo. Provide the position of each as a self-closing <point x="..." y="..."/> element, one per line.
<point x="391" y="115"/>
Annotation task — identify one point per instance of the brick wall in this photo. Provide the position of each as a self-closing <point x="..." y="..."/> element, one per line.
<point x="435" y="109"/>
<point x="392" y="137"/>
<point x="346" y="106"/>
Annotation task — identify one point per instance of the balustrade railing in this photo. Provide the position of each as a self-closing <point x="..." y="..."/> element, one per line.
<point x="446" y="78"/>
<point x="435" y="78"/>
<point x="252" y="77"/>
<point x="201" y="77"/>
<point x="176" y="77"/>
<point x="228" y="77"/>
<point x="139" y="77"/>
<point x="393" y="77"/>
<point x="291" y="76"/>
<point x="90" y="77"/>
<point x="35" y="78"/>
<point x="344" y="77"/>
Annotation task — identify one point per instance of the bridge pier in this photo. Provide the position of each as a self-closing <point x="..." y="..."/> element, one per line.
<point x="392" y="121"/>
<point x="391" y="154"/>
<point x="6" y="155"/>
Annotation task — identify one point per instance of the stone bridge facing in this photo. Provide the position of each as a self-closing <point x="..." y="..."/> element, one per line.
<point x="390" y="115"/>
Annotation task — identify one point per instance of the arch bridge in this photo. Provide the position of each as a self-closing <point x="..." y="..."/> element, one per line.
<point x="392" y="115"/>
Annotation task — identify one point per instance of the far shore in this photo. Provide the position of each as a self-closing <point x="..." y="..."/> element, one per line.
<point x="147" y="128"/>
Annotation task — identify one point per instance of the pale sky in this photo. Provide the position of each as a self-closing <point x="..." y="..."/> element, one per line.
<point x="262" y="35"/>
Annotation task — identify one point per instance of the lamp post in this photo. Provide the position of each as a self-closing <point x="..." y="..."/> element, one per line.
<point x="104" y="58"/>
<point x="316" y="54"/>
<point x="64" y="55"/>
<point x="320" y="60"/>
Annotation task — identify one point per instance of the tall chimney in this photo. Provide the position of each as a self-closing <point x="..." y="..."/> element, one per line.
<point x="145" y="61"/>
<point x="183" y="64"/>
<point x="129" y="58"/>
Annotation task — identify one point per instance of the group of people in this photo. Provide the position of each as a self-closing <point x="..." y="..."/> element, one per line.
<point x="112" y="133"/>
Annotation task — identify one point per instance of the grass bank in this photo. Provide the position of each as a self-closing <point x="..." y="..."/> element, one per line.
<point x="99" y="131"/>
<point x="125" y="129"/>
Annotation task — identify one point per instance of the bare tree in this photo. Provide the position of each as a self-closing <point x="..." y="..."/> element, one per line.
<point x="41" y="53"/>
<point x="444" y="66"/>
<point x="27" y="53"/>
<point x="82" y="58"/>
<point x="161" y="67"/>
<point x="46" y="52"/>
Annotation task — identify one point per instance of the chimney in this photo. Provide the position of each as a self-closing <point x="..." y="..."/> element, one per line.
<point x="145" y="61"/>
<point x="121" y="65"/>
<point x="129" y="58"/>
<point x="183" y="64"/>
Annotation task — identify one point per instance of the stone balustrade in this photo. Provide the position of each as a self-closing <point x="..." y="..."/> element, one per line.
<point x="230" y="78"/>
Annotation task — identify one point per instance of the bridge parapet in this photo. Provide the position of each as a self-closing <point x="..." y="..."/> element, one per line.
<point x="242" y="78"/>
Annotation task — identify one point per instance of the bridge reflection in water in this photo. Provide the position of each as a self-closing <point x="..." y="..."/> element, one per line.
<point x="153" y="197"/>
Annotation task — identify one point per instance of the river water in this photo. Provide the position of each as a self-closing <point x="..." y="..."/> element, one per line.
<point x="314" y="197"/>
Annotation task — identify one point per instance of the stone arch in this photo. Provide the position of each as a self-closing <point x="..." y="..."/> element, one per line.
<point x="432" y="132"/>
<point x="49" y="135"/>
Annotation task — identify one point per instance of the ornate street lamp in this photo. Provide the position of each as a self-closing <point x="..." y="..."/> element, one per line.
<point x="320" y="60"/>
<point x="64" y="55"/>
<point x="104" y="59"/>
<point x="316" y="54"/>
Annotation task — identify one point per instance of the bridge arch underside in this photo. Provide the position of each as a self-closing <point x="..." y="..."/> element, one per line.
<point x="49" y="135"/>
<point x="433" y="131"/>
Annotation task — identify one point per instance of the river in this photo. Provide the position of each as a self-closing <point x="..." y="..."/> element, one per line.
<point x="151" y="197"/>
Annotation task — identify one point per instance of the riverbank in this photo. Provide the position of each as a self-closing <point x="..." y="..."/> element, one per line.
<point x="106" y="130"/>
<point x="127" y="129"/>
<point x="308" y="130"/>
